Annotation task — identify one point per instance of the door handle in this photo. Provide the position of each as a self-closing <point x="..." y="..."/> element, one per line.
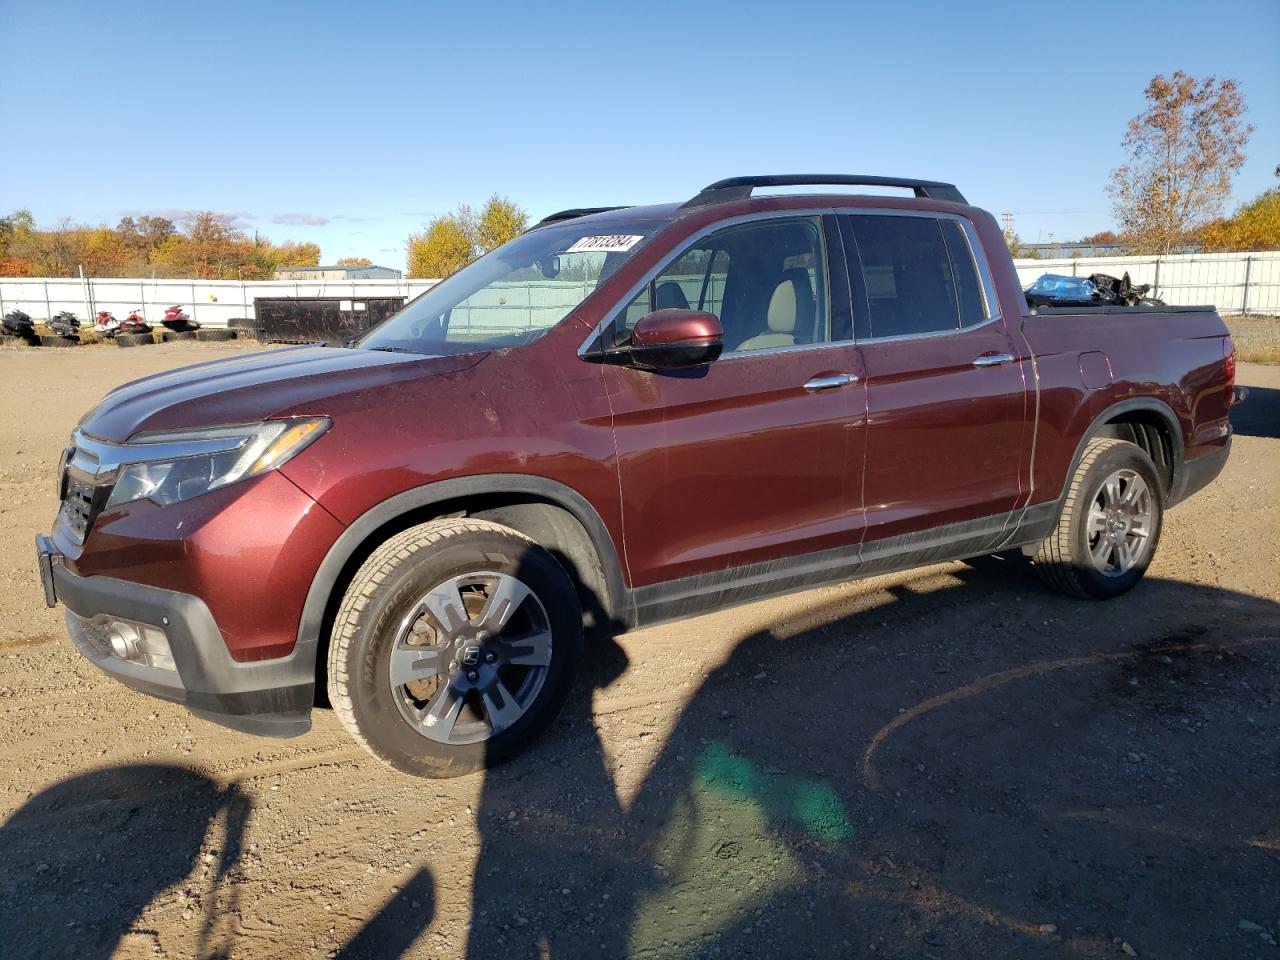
<point x="993" y="359"/>
<point x="830" y="381"/>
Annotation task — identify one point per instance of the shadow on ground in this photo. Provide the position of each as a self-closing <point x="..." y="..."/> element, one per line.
<point x="1259" y="415"/>
<point x="983" y="769"/>
<point x="80" y="860"/>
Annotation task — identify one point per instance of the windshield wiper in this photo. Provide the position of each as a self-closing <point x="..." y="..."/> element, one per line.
<point x="392" y="349"/>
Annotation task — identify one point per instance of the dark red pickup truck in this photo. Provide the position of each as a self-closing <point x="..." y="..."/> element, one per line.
<point x="623" y="416"/>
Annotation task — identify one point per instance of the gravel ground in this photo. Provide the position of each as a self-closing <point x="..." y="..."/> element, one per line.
<point x="945" y="763"/>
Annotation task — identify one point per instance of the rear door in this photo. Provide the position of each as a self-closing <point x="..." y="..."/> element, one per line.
<point x="948" y="402"/>
<point x="756" y="456"/>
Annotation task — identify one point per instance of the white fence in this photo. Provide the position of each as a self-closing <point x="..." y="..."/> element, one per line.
<point x="1232" y="282"/>
<point x="212" y="303"/>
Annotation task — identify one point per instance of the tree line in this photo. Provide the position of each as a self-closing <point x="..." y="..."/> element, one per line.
<point x="200" y="246"/>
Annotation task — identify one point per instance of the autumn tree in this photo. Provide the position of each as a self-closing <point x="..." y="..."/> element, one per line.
<point x="354" y="262"/>
<point x="16" y="237"/>
<point x="104" y="253"/>
<point x="1255" y="226"/>
<point x="450" y="242"/>
<point x="1183" y="149"/>
<point x="290" y="254"/>
<point x="445" y="246"/>
<point x="500" y="220"/>
<point x="213" y="243"/>
<point x="144" y="234"/>
<point x="57" y="252"/>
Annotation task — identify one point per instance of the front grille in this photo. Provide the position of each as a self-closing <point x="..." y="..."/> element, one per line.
<point x="78" y="511"/>
<point x="85" y="491"/>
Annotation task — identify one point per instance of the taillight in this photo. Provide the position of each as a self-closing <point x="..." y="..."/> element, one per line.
<point x="1229" y="361"/>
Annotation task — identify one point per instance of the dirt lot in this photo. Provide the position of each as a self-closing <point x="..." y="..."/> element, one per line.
<point x="946" y="763"/>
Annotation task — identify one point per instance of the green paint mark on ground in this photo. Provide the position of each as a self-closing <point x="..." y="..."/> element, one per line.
<point x="812" y="804"/>
<point x="721" y="854"/>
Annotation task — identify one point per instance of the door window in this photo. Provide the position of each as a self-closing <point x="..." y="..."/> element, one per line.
<point x="766" y="281"/>
<point x="918" y="275"/>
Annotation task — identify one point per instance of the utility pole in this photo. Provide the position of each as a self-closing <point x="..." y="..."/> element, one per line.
<point x="1008" y="224"/>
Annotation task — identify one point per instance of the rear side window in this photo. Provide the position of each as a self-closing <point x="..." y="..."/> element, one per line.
<point x="918" y="275"/>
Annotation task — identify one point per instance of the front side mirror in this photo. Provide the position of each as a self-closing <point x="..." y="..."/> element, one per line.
<point x="673" y="337"/>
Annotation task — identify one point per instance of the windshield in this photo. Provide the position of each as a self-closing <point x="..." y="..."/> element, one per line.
<point x="515" y="294"/>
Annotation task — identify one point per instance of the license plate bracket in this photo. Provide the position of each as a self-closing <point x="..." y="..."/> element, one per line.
<point x="46" y="556"/>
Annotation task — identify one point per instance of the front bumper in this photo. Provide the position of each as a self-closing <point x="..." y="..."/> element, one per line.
<point x="270" y="698"/>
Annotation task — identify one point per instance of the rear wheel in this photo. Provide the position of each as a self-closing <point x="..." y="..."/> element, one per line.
<point x="454" y="647"/>
<point x="1109" y="526"/>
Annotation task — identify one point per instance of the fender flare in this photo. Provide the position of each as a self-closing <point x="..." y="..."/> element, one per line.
<point x="1146" y="405"/>
<point x="330" y="570"/>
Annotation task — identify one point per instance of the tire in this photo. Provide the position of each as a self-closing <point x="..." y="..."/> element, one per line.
<point x="134" y="339"/>
<point x="400" y="600"/>
<point x="169" y="336"/>
<point x="213" y="336"/>
<point x="58" y="342"/>
<point x="1082" y="557"/>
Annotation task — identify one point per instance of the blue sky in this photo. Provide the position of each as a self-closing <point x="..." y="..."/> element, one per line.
<point x="351" y="124"/>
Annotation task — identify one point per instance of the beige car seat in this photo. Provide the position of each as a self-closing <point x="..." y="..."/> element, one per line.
<point x="790" y="305"/>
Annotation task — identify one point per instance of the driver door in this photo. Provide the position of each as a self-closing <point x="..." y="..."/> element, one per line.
<point x="757" y="456"/>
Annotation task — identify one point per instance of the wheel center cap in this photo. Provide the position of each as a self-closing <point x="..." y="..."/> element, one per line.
<point x="470" y="656"/>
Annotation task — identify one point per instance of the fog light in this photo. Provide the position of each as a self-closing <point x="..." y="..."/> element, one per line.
<point x="124" y="640"/>
<point x="140" y="643"/>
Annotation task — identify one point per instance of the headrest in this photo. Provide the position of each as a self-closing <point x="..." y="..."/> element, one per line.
<point x="669" y="295"/>
<point x="782" y="307"/>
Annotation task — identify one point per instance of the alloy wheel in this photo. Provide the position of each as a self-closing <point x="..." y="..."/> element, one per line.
<point x="470" y="657"/>
<point x="1120" y="523"/>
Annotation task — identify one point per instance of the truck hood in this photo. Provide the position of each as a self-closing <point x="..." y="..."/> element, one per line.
<point x="257" y="386"/>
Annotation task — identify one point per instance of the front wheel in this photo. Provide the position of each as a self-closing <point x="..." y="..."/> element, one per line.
<point x="454" y="647"/>
<point x="1109" y="525"/>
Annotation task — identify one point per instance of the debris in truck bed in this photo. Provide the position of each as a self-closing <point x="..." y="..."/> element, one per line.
<point x="1095" y="290"/>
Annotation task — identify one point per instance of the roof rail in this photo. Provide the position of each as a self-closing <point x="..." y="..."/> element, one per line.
<point x="739" y="188"/>
<point x="572" y="214"/>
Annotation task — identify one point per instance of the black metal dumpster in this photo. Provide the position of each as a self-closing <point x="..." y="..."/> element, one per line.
<point x="332" y="320"/>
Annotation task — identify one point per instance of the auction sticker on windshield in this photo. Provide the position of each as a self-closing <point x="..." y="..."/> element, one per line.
<point x="613" y="244"/>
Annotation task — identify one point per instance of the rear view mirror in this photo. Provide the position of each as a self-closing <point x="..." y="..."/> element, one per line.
<point x="672" y="338"/>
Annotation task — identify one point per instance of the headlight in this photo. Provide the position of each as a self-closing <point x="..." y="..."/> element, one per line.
<point x="185" y="464"/>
